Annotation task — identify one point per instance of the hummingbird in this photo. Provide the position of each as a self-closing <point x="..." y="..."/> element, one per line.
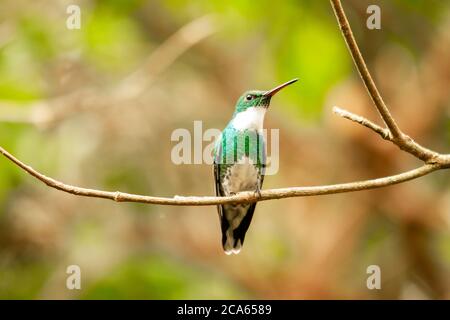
<point x="240" y="162"/>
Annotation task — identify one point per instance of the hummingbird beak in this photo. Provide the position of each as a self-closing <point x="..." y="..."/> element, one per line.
<point x="271" y="92"/>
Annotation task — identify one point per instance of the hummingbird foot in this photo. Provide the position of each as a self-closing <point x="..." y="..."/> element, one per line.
<point x="258" y="192"/>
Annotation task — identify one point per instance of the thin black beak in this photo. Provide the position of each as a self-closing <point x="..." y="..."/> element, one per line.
<point x="270" y="93"/>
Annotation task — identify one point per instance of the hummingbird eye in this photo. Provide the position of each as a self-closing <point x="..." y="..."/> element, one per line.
<point x="248" y="97"/>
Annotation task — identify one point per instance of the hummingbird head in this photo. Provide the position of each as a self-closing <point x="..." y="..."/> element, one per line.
<point x="251" y="107"/>
<point x="257" y="98"/>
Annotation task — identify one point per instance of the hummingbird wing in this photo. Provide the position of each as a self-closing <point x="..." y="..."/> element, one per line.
<point x="221" y="209"/>
<point x="217" y="187"/>
<point x="217" y="184"/>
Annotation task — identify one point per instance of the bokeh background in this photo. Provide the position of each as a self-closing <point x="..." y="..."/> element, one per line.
<point x="96" y="107"/>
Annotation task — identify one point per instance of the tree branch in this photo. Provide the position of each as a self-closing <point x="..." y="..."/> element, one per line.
<point x="363" y="70"/>
<point x="384" y="133"/>
<point x="403" y="141"/>
<point x="433" y="160"/>
<point x="243" y="197"/>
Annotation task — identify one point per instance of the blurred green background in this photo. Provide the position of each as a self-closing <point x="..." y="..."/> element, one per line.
<point x="96" y="107"/>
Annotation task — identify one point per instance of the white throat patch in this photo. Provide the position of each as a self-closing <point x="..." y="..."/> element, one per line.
<point x="252" y="118"/>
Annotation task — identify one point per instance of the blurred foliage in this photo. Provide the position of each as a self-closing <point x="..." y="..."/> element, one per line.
<point x="297" y="248"/>
<point x="111" y="39"/>
<point x="162" y="278"/>
<point x="23" y="281"/>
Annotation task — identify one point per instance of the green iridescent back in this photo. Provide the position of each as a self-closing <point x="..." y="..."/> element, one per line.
<point x="236" y="145"/>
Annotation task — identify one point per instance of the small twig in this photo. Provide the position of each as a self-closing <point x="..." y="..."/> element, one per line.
<point x="384" y="133"/>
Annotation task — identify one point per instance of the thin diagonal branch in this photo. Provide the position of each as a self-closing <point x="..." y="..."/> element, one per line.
<point x="167" y="53"/>
<point x="363" y="70"/>
<point x="403" y="141"/>
<point x="43" y="112"/>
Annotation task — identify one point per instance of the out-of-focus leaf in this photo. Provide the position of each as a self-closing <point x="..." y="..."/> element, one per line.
<point x="112" y="40"/>
<point x="162" y="278"/>
<point x="22" y="281"/>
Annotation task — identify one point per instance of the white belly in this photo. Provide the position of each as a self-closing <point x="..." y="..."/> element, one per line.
<point x="243" y="176"/>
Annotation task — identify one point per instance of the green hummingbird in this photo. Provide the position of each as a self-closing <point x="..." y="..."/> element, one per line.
<point x="239" y="163"/>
